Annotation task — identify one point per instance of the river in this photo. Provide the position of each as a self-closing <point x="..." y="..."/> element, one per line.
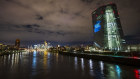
<point x="47" y="65"/>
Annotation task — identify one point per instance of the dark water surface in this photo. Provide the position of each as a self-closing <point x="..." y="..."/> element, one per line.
<point x="46" y="65"/>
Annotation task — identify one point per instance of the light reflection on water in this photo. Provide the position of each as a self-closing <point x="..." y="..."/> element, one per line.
<point x="42" y="65"/>
<point x="102" y="67"/>
<point x="118" y="70"/>
<point x="34" y="60"/>
<point x="82" y="63"/>
<point x="137" y="73"/>
<point x="91" y="64"/>
<point x="45" y="59"/>
<point x="75" y="62"/>
<point x="91" y="67"/>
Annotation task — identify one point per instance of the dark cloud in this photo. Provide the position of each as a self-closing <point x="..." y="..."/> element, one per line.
<point x="87" y="1"/>
<point x="58" y="25"/>
<point x="17" y="3"/>
<point x="28" y="26"/>
<point x="39" y="17"/>
<point x="78" y="14"/>
<point x="60" y="33"/>
<point x="63" y="11"/>
<point x="63" y="20"/>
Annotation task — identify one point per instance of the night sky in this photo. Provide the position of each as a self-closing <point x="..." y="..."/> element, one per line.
<point x="61" y="20"/>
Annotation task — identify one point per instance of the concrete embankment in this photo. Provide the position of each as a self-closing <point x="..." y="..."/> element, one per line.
<point x="133" y="61"/>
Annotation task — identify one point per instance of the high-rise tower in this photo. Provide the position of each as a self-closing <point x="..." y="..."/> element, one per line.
<point x="17" y="43"/>
<point x="108" y="32"/>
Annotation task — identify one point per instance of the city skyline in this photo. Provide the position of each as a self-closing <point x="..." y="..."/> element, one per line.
<point x="69" y="39"/>
<point x="60" y="20"/>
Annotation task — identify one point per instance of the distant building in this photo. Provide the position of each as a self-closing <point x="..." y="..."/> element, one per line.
<point x="17" y="43"/>
<point x="1" y="46"/>
<point x="133" y="47"/>
<point x="41" y="47"/>
<point x="7" y="47"/>
<point x="46" y="44"/>
<point x="108" y="34"/>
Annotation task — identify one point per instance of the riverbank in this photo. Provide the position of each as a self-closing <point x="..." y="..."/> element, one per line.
<point x="9" y="52"/>
<point x="132" y="61"/>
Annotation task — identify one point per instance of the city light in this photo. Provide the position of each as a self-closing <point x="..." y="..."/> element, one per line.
<point x="52" y="39"/>
<point x="137" y="73"/>
<point x="97" y="26"/>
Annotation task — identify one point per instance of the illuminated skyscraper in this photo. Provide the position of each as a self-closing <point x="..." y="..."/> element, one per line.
<point x="17" y="43"/>
<point x="108" y="32"/>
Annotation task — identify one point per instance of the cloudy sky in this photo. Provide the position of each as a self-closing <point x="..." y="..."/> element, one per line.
<point x="60" y="20"/>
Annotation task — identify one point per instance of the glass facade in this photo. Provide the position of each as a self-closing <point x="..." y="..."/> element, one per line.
<point x="108" y="32"/>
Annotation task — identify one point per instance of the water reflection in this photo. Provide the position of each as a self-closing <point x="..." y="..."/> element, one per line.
<point x="56" y="57"/>
<point x="75" y="62"/>
<point x="137" y="73"/>
<point x="91" y="67"/>
<point x="82" y="63"/>
<point x="46" y="65"/>
<point x="114" y="71"/>
<point x="48" y="60"/>
<point x="45" y="59"/>
<point x="102" y="67"/>
<point x="34" y="60"/>
<point x="118" y="70"/>
<point x="91" y="64"/>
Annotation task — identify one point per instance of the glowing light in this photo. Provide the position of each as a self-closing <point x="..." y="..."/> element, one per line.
<point x="91" y="67"/>
<point x="97" y="26"/>
<point x="82" y="63"/>
<point x="118" y="70"/>
<point x="102" y="66"/>
<point x="137" y="74"/>
<point x="34" y="59"/>
<point x="75" y="60"/>
<point x="45" y="59"/>
<point x="135" y="57"/>
<point x="49" y="55"/>
<point x="113" y="36"/>
<point x="91" y="64"/>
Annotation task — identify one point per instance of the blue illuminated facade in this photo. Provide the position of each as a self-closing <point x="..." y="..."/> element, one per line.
<point x="108" y="34"/>
<point x="97" y="26"/>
